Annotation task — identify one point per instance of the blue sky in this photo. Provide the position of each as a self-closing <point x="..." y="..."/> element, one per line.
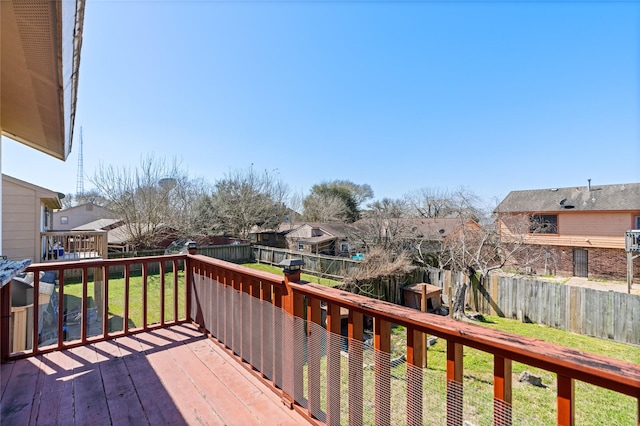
<point x="491" y="96"/>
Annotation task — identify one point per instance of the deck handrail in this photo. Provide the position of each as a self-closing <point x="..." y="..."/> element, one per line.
<point x="256" y="315"/>
<point x="303" y="300"/>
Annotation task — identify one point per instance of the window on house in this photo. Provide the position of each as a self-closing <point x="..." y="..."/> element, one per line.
<point x="300" y="247"/>
<point x="64" y="220"/>
<point x="344" y="247"/>
<point x="637" y="223"/>
<point x="543" y="224"/>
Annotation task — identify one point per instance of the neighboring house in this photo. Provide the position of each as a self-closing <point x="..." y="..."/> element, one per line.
<point x="272" y="237"/>
<point x="320" y="238"/>
<point x="80" y="215"/>
<point x="410" y="234"/>
<point x="120" y="238"/>
<point x="581" y="229"/>
<point x="26" y="213"/>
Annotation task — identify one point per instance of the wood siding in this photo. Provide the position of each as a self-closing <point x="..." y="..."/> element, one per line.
<point x="581" y="229"/>
<point x="20" y="222"/>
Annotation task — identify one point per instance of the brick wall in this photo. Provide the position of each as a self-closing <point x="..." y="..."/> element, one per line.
<point x="610" y="264"/>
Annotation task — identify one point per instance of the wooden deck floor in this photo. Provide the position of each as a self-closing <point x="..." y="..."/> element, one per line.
<point x="169" y="376"/>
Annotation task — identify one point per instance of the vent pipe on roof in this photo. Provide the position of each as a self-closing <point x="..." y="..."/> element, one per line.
<point x="589" y="180"/>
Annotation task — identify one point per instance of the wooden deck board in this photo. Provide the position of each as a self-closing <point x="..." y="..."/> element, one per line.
<point x="167" y="376"/>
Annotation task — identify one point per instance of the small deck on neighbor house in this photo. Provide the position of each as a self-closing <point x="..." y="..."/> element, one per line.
<point x="171" y="375"/>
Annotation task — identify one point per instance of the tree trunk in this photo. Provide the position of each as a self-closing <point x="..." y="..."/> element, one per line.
<point x="458" y="301"/>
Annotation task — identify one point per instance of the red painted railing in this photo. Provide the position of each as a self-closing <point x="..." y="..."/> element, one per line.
<point x="221" y="305"/>
<point x="96" y="273"/>
<point x="292" y="335"/>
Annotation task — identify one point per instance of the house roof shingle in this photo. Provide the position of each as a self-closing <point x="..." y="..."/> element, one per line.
<point x="618" y="197"/>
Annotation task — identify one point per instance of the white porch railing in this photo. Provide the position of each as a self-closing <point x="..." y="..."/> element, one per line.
<point x="68" y="245"/>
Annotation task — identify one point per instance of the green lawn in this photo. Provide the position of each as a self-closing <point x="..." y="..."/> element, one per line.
<point x="73" y="295"/>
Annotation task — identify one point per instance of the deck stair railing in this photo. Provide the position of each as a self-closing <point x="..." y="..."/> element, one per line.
<point x="337" y="357"/>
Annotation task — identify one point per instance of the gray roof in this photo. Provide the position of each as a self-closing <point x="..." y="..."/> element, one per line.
<point x="620" y="197"/>
<point x="98" y="225"/>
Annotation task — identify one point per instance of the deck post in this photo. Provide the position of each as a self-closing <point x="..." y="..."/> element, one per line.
<point x="501" y="391"/>
<point x="415" y="359"/>
<point x="382" y="371"/>
<point x="356" y="379"/>
<point x="566" y="401"/>
<point x="454" y="383"/>
<point x="5" y="319"/>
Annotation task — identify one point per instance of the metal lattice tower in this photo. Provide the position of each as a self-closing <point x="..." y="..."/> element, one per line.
<point x="80" y="182"/>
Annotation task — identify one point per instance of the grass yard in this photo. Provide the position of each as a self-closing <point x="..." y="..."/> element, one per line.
<point x="305" y="277"/>
<point x="73" y="296"/>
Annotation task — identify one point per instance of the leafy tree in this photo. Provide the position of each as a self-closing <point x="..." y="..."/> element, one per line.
<point x="91" y="196"/>
<point x="242" y="200"/>
<point x="336" y="201"/>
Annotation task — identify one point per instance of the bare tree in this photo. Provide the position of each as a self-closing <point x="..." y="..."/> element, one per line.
<point x="435" y="202"/>
<point x="152" y="198"/>
<point x="383" y="227"/>
<point x="477" y="250"/>
<point x="242" y="200"/>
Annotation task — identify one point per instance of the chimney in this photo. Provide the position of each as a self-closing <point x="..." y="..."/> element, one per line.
<point x="589" y="180"/>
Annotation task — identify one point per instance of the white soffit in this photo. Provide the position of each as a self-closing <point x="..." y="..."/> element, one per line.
<point x="37" y="104"/>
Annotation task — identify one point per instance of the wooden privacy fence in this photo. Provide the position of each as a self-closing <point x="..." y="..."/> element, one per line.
<point x="604" y="314"/>
<point x="325" y="266"/>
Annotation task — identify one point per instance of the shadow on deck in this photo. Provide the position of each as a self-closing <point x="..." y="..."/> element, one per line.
<point x="171" y="376"/>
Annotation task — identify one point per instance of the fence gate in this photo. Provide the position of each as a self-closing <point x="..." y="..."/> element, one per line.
<point x="580" y="263"/>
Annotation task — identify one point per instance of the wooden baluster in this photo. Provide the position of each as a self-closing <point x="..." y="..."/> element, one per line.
<point x="254" y="349"/>
<point x="236" y="306"/>
<point x="36" y="311"/>
<point x="415" y="359"/>
<point x="297" y="347"/>
<point x="382" y="345"/>
<point x="501" y="391"/>
<point x="566" y="406"/>
<point x="105" y="304"/>
<point x="278" y="314"/>
<point x="313" y="369"/>
<point x="162" y="293"/>
<point x="188" y="289"/>
<point x="356" y="396"/>
<point x="266" y="337"/>
<point x="145" y="300"/>
<point x="83" y="308"/>
<point x="333" y="364"/>
<point x="127" y="286"/>
<point x="454" y="383"/>
<point x="61" y="308"/>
